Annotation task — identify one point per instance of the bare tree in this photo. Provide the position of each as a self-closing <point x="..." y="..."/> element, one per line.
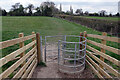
<point x="17" y="10"/>
<point x="102" y="12"/>
<point x="30" y="7"/>
<point x="16" y="6"/>
<point x="110" y="14"/>
<point x="86" y="13"/>
<point x="79" y="11"/>
<point x="48" y="5"/>
<point x="3" y="12"/>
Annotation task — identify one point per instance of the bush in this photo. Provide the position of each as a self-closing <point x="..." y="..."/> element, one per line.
<point x="111" y="27"/>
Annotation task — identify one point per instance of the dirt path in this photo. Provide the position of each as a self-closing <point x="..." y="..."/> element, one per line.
<point x="51" y="71"/>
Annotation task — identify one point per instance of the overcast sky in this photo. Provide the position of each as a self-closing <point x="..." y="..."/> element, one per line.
<point x="86" y="5"/>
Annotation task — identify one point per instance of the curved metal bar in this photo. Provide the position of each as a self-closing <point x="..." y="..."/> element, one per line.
<point x="77" y="54"/>
<point x="74" y="42"/>
<point x="64" y="71"/>
<point x="73" y="66"/>
<point x="73" y="50"/>
<point x="55" y="36"/>
<point x="73" y="55"/>
<point x="75" y="36"/>
<point x="74" y="59"/>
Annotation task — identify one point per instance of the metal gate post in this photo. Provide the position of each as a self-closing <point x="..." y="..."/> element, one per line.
<point x="41" y="46"/>
<point x="85" y="50"/>
<point x="64" y="47"/>
<point x="79" y="48"/>
<point x="45" y="48"/>
<point x="58" y="52"/>
<point x="75" y="58"/>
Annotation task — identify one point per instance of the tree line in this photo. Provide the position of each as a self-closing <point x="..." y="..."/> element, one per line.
<point x="47" y="9"/>
<point x="79" y="12"/>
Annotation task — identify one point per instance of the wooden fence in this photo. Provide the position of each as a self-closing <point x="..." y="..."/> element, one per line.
<point x="26" y="62"/>
<point x="98" y="65"/>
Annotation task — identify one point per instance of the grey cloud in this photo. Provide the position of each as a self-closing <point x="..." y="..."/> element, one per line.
<point x="89" y="3"/>
<point x="96" y="6"/>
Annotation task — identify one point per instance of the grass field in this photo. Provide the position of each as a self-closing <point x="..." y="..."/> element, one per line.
<point x="45" y="25"/>
<point x="12" y="26"/>
<point x="104" y="18"/>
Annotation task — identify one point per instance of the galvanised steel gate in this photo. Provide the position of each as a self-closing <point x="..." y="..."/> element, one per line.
<point x="51" y="47"/>
<point x="67" y="50"/>
<point x="71" y="56"/>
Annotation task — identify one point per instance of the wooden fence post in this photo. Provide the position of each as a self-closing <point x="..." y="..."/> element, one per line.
<point x="38" y="48"/>
<point x="103" y="50"/>
<point x="21" y="44"/>
<point x="85" y="35"/>
<point x="33" y="39"/>
<point x="81" y="39"/>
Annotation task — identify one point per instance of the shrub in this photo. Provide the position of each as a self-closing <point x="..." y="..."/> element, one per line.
<point x="111" y="27"/>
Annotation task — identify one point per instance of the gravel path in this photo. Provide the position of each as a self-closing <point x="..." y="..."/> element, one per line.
<point x="51" y="71"/>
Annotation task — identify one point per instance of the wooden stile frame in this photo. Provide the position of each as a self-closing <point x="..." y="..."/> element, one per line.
<point x="102" y="64"/>
<point x="28" y="61"/>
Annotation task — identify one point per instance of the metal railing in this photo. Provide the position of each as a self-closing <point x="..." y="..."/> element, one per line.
<point x="71" y="57"/>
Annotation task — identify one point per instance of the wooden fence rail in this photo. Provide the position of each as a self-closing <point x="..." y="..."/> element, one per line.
<point x="113" y="39"/>
<point x="25" y="62"/>
<point x="101" y="68"/>
<point x="15" y="41"/>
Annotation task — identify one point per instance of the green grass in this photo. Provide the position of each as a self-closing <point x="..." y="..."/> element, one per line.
<point x="12" y="26"/>
<point x="44" y="25"/>
<point x="104" y="18"/>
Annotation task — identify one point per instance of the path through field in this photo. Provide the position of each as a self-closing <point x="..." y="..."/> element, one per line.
<point x="51" y="71"/>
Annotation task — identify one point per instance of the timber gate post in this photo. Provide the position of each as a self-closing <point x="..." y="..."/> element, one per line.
<point x="21" y="44"/>
<point x="39" y="58"/>
<point x="103" y="41"/>
<point x="85" y="35"/>
<point x="81" y="39"/>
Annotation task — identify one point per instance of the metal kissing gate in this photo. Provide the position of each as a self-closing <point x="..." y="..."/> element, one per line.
<point x="67" y="50"/>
